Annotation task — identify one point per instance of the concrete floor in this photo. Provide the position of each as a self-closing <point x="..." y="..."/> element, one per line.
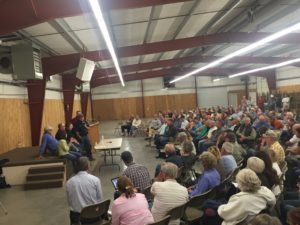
<point x="49" y="206"/>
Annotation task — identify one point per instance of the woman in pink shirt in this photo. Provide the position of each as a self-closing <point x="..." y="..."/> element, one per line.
<point x="130" y="208"/>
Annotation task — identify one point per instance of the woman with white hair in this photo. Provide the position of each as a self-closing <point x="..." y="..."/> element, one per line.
<point x="210" y="177"/>
<point x="258" y="166"/>
<point x="252" y="199"/>
<point x="182" y="137"/>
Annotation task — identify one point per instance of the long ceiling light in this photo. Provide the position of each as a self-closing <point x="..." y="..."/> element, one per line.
<point x="266" y="68"/>
<point x="102" y="25"/>
<point x="242" y="51"/>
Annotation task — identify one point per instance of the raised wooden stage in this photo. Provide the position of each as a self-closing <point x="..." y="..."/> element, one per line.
<point x="21" y="159"/>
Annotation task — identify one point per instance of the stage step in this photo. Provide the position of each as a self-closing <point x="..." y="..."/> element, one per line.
<point x="46" y="169"/>
<point x="42" y="177"/>
<point x="32" y="185"/>
<point x="45" y="176"/>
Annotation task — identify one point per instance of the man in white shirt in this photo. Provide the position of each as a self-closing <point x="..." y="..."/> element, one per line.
<point x="167" y="194"/>
<point x="83" y="190"/>
<point x="293" y="142"/>
<point x="184" y="123"/>
<point x="154" y="125"/>
<point x="135" y="125"/>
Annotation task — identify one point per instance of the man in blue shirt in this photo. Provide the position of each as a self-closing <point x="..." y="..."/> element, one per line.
<point x="48" y="143"/>
<point x="262" y="122"/>
<point x="197" y="124"/>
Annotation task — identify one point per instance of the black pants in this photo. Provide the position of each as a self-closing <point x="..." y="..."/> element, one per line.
<point x="75" y="217"/>
<point x="126" y="127"/>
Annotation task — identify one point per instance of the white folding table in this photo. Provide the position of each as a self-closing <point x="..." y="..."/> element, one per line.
<point x="110" y="148"/>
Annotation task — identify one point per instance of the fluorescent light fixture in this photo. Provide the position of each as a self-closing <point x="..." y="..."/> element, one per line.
<point x="266" y="68"/>
<point x="102" y="25"/>
<point x="217" y="79"/>
<point x="241" y="51"/>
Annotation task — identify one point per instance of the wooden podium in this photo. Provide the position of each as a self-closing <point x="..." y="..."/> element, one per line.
<point x="94" y="133"/>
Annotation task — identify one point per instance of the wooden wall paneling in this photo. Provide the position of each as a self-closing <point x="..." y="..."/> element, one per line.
<point x="289" y="89"/>
<point x="149" y="106"/>
<point x="89" y="110"/>
<point x="103" y="109"/>
<point x="15" y="122"/>
<point x="110" y="109"/>
<point x="53" y="114"/>
<point x="76" y="107"/>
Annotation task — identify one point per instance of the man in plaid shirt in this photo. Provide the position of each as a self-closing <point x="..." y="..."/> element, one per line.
<point x="137" y="173"/>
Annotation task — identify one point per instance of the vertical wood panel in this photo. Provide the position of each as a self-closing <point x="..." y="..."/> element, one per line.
<point x="110" y="109"/>
<point x="289" y="89"/>
<point x="89" y="110"/>
<point x="76" y="107"/>
<point x="53" y="114"/>
<point x="15" y="122"/>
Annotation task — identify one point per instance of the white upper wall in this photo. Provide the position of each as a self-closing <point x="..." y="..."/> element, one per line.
<point x="53" y="88"/>
<point x="289" y="75"/>
<point x="152" y="87"/>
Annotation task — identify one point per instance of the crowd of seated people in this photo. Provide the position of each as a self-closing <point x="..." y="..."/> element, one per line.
<point x="251" y="149"/>
<point x="71" y="140"/>
<point x="265" y="142"/>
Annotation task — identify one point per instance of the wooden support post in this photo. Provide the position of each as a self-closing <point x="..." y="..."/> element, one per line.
<point x="68" y="84"/>
<point x="84" y="97"/>
<point x="143" y="102"/>
<point x="36" y="96"/>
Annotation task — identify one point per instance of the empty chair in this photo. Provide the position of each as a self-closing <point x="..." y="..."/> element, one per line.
<point x="163" y="221"/>
<point x="98" y="210"/>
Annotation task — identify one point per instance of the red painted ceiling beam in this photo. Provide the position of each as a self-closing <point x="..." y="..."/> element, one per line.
<point x="32" y="12"/>
<point x="170" y="72"/>
<point x="185" y="60"/>
<point x="57" y="64"/>
<point x="161" y="73"/>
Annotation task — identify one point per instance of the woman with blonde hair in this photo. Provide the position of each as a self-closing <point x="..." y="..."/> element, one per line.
<point x="130" y="208"/>
<point x="252" y="199"/>
<point x="265" y="219"/>
<point x="219" y="167"/>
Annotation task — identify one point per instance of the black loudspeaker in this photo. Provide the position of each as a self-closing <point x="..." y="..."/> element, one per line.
<point x="167" y="83"/>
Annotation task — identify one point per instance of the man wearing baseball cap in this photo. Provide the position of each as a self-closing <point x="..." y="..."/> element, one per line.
<point x="48" y="142"/>
<point x="271" y="139"/>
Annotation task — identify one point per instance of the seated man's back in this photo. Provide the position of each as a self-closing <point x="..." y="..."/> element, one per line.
<point x="139" y="175"/>
<point x="83" y="189"/>
<point x="168" y="194"/>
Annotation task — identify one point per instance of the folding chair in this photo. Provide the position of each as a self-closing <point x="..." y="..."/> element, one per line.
<point x="163" y="221"/>
<point x="99" y="210"/>
<point x="193" y="211"/>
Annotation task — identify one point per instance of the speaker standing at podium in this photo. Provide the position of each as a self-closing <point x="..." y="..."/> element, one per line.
<point x="81" y="130"/>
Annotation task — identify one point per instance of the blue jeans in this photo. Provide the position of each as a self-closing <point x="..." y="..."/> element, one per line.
<point x="86" y="146"/>
<point x="292" y="200"/>
<point x="161" y="141"/>
<point x="133" y="130"/>
<point x="73" y="156"/>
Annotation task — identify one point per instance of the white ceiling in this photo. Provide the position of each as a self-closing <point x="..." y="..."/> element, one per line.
<point x="186" y="19"/>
